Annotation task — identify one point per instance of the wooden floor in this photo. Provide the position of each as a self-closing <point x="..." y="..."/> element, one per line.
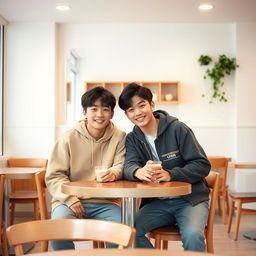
<point x="223" y="242"/>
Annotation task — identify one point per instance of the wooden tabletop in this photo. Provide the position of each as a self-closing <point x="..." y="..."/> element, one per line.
<point x="124" y="188"/>
<point x="245" y="165"/>
<point x="120" y="252"/>
<point x="19" y="172"/>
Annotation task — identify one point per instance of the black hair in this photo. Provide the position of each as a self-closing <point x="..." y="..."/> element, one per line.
<point x="133" y="89"/>
<point x="106" y="98"/>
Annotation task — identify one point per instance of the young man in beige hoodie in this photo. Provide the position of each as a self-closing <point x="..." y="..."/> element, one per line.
<point x="92" y="142"/>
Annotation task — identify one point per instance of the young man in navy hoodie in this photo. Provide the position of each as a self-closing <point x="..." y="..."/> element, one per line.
<point x="157" y="136"/>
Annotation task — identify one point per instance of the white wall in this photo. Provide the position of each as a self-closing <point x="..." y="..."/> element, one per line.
<point x="246" y="92"/>
<point x="159" y="52"/>
<point x="29" y="90"/>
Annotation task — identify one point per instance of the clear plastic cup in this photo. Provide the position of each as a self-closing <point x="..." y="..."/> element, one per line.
<point x="156" y="166"/>
<point x="100" y="170"/>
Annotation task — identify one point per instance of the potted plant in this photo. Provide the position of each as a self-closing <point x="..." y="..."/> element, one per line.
<point x="224" y="66"/>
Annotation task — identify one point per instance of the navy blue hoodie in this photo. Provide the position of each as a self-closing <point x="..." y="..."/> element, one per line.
<point x="177" y="148"/>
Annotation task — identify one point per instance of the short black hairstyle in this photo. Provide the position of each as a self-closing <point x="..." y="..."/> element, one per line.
<point x="106" y="98"/>
<point x="133" y="89"/>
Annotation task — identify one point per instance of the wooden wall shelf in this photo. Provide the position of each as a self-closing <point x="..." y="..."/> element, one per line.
<point x="166" y="92"/>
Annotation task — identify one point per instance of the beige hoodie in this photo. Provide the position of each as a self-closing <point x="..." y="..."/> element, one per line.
<point x="76" y="154"/>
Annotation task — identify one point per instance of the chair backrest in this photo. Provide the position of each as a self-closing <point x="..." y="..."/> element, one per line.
<point x="25" y="162"/>
<point x="213" y="182"/>
<point x="41" y="191"/>
<point x="220" y="164"/>
<point x="69" y="229"/>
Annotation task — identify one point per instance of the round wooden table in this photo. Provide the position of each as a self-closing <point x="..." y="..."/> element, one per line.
<point x="128" y="191"/>
<point x="120" y="252"/>
<point x="15" y="173"/>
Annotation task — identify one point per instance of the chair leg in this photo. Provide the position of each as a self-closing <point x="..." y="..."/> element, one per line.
<point x="97" y="244"/>
<point x="44" y="246"/>
<point x="157" y="242"/>
<point x="209" y="244"/>
<point x="230" y="215"/>
<point x="227" y="201"/>
<point x="224" y="209"/>
<point x="12" y="213"/>
<point x="4" y="243"/>
<point x="238" y="215"/>
<point x="36" y="210"/>
<point x="219" y="206"/>
<point x="165" y="244"/>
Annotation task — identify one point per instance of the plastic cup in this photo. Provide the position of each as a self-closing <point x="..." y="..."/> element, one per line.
<point x="156" y="166"/>
<point x="100" y="171"/>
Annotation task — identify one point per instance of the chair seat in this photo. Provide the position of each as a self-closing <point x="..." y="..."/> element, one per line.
<point x="241" y="195"/>
<point x="23" y="195"/>
<point x="237" y="201"/>
<point x="167" y="230"/>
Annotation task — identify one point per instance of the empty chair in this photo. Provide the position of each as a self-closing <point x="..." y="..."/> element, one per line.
<point x="172" y="233"/>
<point x="24" y="191"/>
<point x="69" y="229"/>
<point x="220" y="164"/>
<point x="237" y="201"/>
<point x="2" y="227"/>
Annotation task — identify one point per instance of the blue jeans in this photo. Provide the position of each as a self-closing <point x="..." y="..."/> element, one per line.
<point x="162" y="212"/>
<point x="109" y="212"/>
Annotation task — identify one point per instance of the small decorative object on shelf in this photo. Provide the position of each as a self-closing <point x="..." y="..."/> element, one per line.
<point x="224" y="66"/>
<point x="168" y="96"/>
<point x="164" y="92"/>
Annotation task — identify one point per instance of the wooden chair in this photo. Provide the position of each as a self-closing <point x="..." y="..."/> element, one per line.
<point x="24" y="191"/>
<point x="238" y="199"/>
<point x="41" y="190"/>
<point x="69" y="229"/>
<point x="172" y="233"/>
<point x="2" y="226"/>
<point x="220" y="164"/>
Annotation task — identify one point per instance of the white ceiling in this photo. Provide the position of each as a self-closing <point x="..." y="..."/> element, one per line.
<point x="128" y="11"/>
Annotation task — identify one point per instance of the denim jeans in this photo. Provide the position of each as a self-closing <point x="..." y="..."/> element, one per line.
<point x="162" y="212"/>
<point x="109" y="212"/>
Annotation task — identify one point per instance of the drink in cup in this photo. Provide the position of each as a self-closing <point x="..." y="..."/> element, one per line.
<point x="156" y="166"/>
<point x="100" y="171"/>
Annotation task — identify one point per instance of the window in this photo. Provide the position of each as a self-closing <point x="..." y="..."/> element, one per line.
<point x="72" y="81"/>
<point x="1" y="84"/>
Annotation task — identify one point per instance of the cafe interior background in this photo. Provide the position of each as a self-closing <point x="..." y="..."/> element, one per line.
<point x="49" y="53"/>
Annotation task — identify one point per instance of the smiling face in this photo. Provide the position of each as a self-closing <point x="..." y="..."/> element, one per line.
<point x="141" y="112"/>
<point x="98" y="117"/>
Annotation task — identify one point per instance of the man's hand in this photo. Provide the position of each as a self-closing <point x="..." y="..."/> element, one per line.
<point x="78" y="209"/>
<point x="108" y="176"/>
<point x="145" y="173"/>
<point x="150" y="174"/>
<point x="161" y="175"/>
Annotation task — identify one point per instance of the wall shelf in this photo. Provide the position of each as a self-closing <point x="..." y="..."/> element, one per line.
<point x="164" y="92"/>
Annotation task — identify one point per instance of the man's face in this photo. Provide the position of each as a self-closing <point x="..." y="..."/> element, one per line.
<point x="98" y="116"/>
<point x="140" y="112"/>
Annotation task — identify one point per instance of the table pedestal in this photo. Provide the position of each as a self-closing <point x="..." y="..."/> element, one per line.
<point x="128" y="210"/>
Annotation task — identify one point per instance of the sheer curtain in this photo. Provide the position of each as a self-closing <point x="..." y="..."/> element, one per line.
<point x="1" y="85"/>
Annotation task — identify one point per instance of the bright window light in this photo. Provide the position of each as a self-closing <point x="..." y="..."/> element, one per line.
<point x="205" y="7"/>
<point x="62" y="7"/>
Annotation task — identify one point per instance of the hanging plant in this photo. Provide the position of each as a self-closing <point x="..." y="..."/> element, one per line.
<point x="224" y="66"/>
